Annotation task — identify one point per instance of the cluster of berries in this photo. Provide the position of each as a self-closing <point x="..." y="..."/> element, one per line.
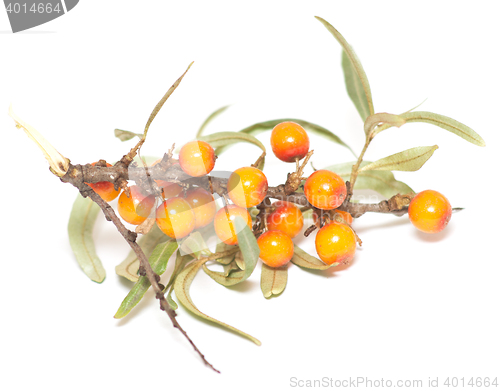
<point x="182" y="212"/>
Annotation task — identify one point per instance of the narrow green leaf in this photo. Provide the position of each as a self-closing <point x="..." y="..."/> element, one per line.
<point x="125" y="135"/>
<point x="231" y="267"/>
<point x="80" y="226"/>
<point x="261" y="164"/>
<point x="160" y="104"/>
<point x="357" y="69"/>
<point x="130" y="265"/>
<point x="158" y="261"/>
<point x="171" y="302"/>
<point x="181" y="288"/>
<point x="382" y="118"/>
<point x="409" y="160"/>
<point x="180" y="263"/>
<point x="446" y="123"/>
<point x="303" y="259"/>
<point x="228" y="277"/>
<point x="245" y="260"/>
<point x="382" y="182"/>
<point x="238" y="259"/>
<point x="195" y="244"/>
<point x="308" y="126"/>
<point x="222" y="139"/>
<point x="248" y="245"/>
<point x="223" y="247"/>
<point x="273" y="280"/>
<point x="210" y="118"/>
<point x="355" y="87"/>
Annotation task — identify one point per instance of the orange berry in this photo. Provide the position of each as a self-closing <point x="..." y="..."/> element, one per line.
<point x="203" y="205"/>
<point x="169" y="189"/>
<point x="105" y="189"/>
<point x="197" y="158"/>
<point x="286" y="218"/>
<point x="276" y="248"/>
<point x="325" y="190"/>
<point x="224" y="223"/>
<point x="335" y="243"/>
<point x="136" y="208"/>
<point x="334" y="215"/>
<point x="429" y="211"/>
<point x="247" y="186"/>
<point x="289" y="141"/>
<point x="175" y="217"/>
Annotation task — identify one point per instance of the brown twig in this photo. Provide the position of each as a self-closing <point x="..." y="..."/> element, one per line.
<point x="130" y="238"/>
<point x="396" y="205"/>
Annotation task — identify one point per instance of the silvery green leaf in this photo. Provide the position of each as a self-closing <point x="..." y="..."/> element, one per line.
<point x="210" y="118"/>
<point x="446" y="123"/>
<point x="409" y="160"/>
<point x="308" y="126"/>
<point x="356" y="70"/>
<point x="273" y="280"/>
<point x="125" y="135"/>
<point x="382" y="182"/>
<point x="181" y="288"/>
<point x="128" y="268"/>
<point x="222" y="139"/>
<point x="195" y="244"/>
<point x="80" y="227"/>
<point x="303" y="259"/>
<point x="158" y="261"/>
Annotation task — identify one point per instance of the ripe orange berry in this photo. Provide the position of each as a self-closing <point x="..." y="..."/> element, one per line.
<point x="175" y="217"/>
<point x="289" y="141"/>
<point x="335" y="243"/>
<point x="197" y="158"/>
<point x="276" y="248"/>
<point x="169" y="189"/>
<point x="203" y="205"/>
<point x="105" y="189"/>
<point x="136" y="208"/>
<point x="334" y="215"/>
<point x="429" y="211"/>
<point x="325" y="190"/>
<point x="286" y="218"/>
<point x="224" y="223"/>
<point x="247" y="186"/>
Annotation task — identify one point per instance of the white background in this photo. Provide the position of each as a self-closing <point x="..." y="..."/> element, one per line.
<point x="410" y="307"/>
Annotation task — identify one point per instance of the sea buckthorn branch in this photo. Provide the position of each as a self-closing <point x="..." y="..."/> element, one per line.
<point x="396" y="205"/>
<point x="130" y="237"/>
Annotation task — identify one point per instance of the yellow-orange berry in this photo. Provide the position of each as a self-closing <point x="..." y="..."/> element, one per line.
<point x="325" y="190"/>
<point x="429" y="211"/>
<point x="168" y="189"/>
<point x="197" y="158"/>
<point x="175" y="217"/>
<point x="203" y="205"/>
<point x="247" y="186"/>
<point x="289" y="141"/>
<point x="334" y="215"/>
<point x="224" y="223"/>
<point x="286" y="218"/>
<point x="136" y="208"/>
<point x="276" y="248"/>
<point x="105" y="189"/>
<point x="335" y="243"/>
